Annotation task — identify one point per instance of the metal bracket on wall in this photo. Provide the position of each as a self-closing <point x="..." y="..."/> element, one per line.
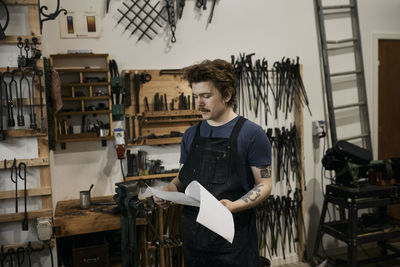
<point x="51" y="16"/>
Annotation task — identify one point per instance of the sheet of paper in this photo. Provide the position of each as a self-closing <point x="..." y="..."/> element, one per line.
<point x="212" y="214"/>
<point x="176" y="197"/>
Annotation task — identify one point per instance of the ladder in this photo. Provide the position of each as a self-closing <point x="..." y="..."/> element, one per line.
<point x="347" y="14"/>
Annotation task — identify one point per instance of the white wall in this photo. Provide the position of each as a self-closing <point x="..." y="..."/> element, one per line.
<point x="272" y="29"/>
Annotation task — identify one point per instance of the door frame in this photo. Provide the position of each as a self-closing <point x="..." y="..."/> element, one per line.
<point x="375" y="77"/>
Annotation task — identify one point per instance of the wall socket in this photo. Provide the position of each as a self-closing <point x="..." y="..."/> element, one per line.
<point x="44" y="228"/>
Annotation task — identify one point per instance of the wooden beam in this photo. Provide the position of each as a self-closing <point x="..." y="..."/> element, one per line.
<point x="21" y="2"/>
<point x="13" y="39"/>
<point x="35" y="245"/>
<point x="151" y="176"/>
<point x="45" y="177"/>
<point x="37" y="162"/>
<point x="23" y="133"/>
<point x="14" y="217"/>
<point x="34" y="192"/>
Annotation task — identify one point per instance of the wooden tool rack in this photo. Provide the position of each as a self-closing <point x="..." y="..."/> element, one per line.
<point x="85" y="82"/>
<point x="151" y="125"/>
<point x="349" y="230"/>
<point x="42" y="162"/>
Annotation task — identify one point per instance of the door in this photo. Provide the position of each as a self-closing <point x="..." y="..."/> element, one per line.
<point x="389" y="99"/>
<point x="389" y="105"/>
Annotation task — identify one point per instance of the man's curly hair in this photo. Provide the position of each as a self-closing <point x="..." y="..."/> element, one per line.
<point x="220" y="72"/>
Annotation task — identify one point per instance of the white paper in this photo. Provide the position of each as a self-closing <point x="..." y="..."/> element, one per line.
<point x="212" y="214"/>
<point x="176" y="197"/>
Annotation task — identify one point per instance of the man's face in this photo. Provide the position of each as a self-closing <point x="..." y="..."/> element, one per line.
<point x="209" y="100"/>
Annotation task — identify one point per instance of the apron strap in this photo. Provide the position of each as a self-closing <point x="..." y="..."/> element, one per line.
<point x="237" y="128"/>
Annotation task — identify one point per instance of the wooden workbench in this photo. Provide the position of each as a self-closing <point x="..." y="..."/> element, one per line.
<point x="71" y="220"/>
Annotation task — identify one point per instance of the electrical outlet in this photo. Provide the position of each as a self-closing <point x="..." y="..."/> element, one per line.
<point x="44" y="228"/>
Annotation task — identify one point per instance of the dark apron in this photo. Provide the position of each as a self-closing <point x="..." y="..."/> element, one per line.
<point x="213" y="162"/>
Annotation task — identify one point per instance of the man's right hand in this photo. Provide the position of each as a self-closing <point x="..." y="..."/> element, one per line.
<point x="161" y="202"/>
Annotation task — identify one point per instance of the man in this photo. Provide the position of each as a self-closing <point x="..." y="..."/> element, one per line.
<point x="231" y="157"/>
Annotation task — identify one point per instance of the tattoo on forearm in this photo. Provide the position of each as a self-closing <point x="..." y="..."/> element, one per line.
<point x="253" y="194"/>
<point x="265" y="171"/>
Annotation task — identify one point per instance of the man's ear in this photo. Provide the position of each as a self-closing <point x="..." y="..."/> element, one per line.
<point x="228" y="95"/>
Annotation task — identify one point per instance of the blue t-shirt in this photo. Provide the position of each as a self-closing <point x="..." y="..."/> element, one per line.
<point x="254" y="148"/>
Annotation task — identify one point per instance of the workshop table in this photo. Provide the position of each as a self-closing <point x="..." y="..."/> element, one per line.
<point x="70" y="219"/>
<point x="351" y="230"/>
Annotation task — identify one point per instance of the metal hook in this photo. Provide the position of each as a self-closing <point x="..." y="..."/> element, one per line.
<point x="51" y="16"/>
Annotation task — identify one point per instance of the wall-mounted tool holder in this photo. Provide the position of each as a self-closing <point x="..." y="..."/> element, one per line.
<point x="86" y="94"/>
<point x="162" y="107"/>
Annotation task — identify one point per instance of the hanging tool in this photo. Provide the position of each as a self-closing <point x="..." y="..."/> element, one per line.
<point x="107" y="5"/>
<point x="140" y="137"/>
<point x="3" y="28"/>
<point x="21" y="58"/>
<point x="146" y="104"/>
<point x="169" y="5"/>
<point x="10" y="104"/>
<point x="19" y="105"/>
<point x="212" y="11"/>
<point x="35" y="52"/>
<point x="39" y="74"/>
<point x="136" y="87"/>
<point x="14" y="179"/>
<point x="2" y="137"/>
<point x="22" y="168"/>
<point x="133" y="129"/>
<point x="165" y="102"/>
<point x="31" y="95"/>
<point x="20" y="252"/>
<point x="127" y="86"/>
<point x="127" y="129"/>
<point x="3" y="256"/>
<point x="27" y="48"/>
<point x="20" y="116"/>
<point x="10" y="253"/>
<point x="180" y="7"/>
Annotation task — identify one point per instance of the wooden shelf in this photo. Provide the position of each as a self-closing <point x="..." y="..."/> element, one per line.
<point x="37" y="162"/>
<point x="72" y="70"/>
<point x="171" y="113"/>
<point x="14" y="217"/>
<point x="84" y="84"/>
<point x="163" y="141"/>
<point x="81" y="137"/>
<point x="34" y="192"/>
<point x="25" y="102"/>
<point x="24" y="133"/>
<point x="80" y="98"/>
<point x="152" y="176"/>
<point x="13" y="39"/>
<point x="83" y="112"/>
<point x="172" y="120"/>
<point x="74" y="55"/>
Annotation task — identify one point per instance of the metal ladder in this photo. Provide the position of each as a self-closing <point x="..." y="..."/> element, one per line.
<point x="345" y="12"/>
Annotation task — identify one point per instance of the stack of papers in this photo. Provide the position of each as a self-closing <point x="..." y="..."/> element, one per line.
<point x="212" y="213"/>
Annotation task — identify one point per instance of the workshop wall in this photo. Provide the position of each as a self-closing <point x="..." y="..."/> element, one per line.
<point x="271" y="29"/>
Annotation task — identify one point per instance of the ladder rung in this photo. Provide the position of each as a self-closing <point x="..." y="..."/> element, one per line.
<point x="355" y="137"/>
<point x="350" y="105"/>
<point x="342" y="41"/>
<point x="338" y="7"/>
<point x="340" y="47"/>
<point x="336" y="12"/>
<point x="345" y="73"/>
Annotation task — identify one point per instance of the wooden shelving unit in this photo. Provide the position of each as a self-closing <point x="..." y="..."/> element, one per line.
<point x="43" y="160"/>
<point x="85" y="81"/>
<point x="153" y="122"/>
